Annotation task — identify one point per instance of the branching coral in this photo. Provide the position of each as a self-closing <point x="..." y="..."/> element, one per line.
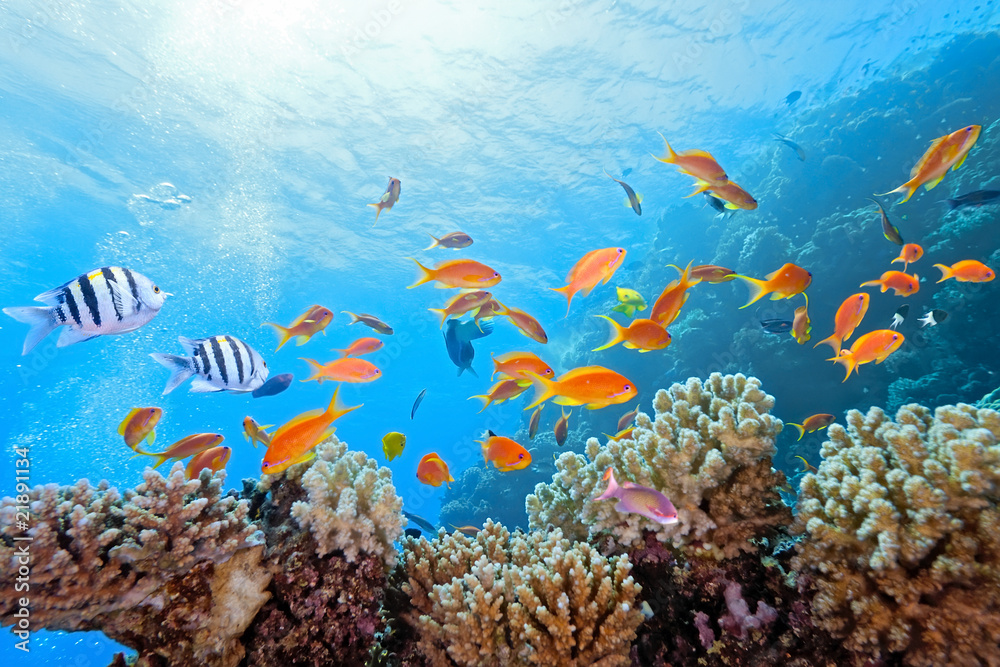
<point x="501" y="599"/>
<point x="902" y="534"/>
<point x="709" y="450"/>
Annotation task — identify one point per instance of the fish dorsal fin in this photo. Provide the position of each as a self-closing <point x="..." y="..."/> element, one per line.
<point x="582" y="371"/>
<point x="490" y="434"/>
<point x="189" y="345"/>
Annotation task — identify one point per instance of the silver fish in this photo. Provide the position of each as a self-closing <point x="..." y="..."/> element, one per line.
<point x="219" y="363"/>
<point x="108" y="300"/>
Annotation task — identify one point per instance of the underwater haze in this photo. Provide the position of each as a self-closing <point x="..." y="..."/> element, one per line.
<point x="229" y="151"/>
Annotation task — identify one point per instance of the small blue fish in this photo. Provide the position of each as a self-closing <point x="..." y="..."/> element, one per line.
<point x="458" y="339"/>
<point x="416" y="403"/>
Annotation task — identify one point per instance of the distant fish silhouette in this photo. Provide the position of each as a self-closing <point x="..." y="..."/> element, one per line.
<point x="977" y="198"/>
<point x="791" y="144"/>
<point x="793" y="97"/>
<point x="275" y="385"/>
<point x="458" y="337"/>
<point x="416" y="403"/>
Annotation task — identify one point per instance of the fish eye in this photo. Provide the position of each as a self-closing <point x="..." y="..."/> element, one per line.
<point x="520" y="456"/>
<point x="156" y="290"/>
<point x="628" y="387"/>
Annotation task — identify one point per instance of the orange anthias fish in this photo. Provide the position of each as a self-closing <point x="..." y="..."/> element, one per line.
<point x="813" y="423"/>
<point x="641" y="334"/>
<point x="847" y="319"/>
<point x="910" y="253"/>
<point x="697" y="163"/>
<point x="967" y="271"/>
<point x="185" y="447"/>
<point x="254" y="432"/>
<point x="734" y="196"/>
<point x="139" y="425"/>
<point x="784" y="283"/>
<point x="214" y="459"/>
<point x="561" y="429"/>
<point x="593" y="386"/>
<point x="597" y="266"/>
<point x="506" y="454"/>
<point x="674" y="295"/>
<point x="902" y="284"/>
<point x="875" y="346"/>
<point x="433" y="471"/>
<point x="462" y="304"/>
<point x="345" y="369"/>
<point x="457" y="273"/>
<point x="710" y="273"/>
<point x="365" y="345"/>
<point x="305" y="327"/>
<point x="491" y="308"/>
<point x="801" y="327"/>
<point x="525" y="323"/>
<point x="502" y="391"/>
<point x="947" y="152"/>
<point x="512" y="365"/>
<point x="293" y="441"/>
<point x="388" y="198"/>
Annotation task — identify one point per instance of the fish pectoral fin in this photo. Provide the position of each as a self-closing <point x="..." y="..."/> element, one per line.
<point x="959" y="163"/>
<point x="203" y="386"/>
<point x="930" y="185"/>
<point x="120" y="297"/>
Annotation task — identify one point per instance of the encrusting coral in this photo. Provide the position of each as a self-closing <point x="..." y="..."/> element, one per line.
<point x="143" y="566"/>
<point x="901" y="529"/>
<point x="501" y="599"/>
<point x="709" y="450"/>
<point x="180" y="573"/>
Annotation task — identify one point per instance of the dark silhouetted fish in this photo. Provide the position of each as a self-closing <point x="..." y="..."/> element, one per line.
<point x="977" y="198"/>
<point x="424" y="524"/>
<point x="889" y="230"/>
<point x="458" y="337"/>
<point x="275" y="385"/>
<point x="791" y="144"/>
<point x="416" y="403"/>
<point x="793" y="97"/>
<point x="900" y="315"/>
<point x="776" y="326"/>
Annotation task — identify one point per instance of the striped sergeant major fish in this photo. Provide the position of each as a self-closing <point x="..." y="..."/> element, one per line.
<point x="108" y="300"/>
<point x="219" y="363"/>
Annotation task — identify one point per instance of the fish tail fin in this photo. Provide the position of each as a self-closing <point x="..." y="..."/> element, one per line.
<point x="544" y="389"/>
<point x="609" y="477"/>
<point x="670" y="156"/>
<point x="426" y="275"/>
<point x="699" y="187"/>
<point x="617" y="334"/>
<point x="833" y="341"/>
<point x="180" y="369"/>
<point x="909" y="188"/>
<point x="946" y="272"/>
<point x="444" y="313"/>
<point x="873" y="283"/>
<point x="343" y="352"/>
<point x="317" y="371"/>
<point x="846" y="357"/>
<point x="337" y="409"/>
<point x="436" y="243"/>
<point x="354" y="318"/>
<point x="798" y="427"/>
<point x="758" y="289"/>
<point x="378" y="211"/>
<point x="952" y="204"/>
<point x="283" y="332"/>
<point x="483" y="397"/>
<point x="160" y="459"/>
<point x="569" y="295"/>
<point x="41" y="319"/>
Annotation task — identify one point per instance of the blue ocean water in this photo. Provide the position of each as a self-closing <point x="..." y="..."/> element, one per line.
<point x="281" y="122"/>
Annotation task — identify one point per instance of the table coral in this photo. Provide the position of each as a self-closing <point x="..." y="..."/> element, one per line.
<point x="902" y="535"/>
<point x="709" y="450"/>
<point x="500" y="599"/>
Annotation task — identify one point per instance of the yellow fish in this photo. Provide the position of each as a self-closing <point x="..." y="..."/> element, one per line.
<point x="629" y="301"/>
<point x="393" y="444"/>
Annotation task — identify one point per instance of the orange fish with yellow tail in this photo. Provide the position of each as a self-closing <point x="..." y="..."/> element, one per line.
<point x="902" y="284"/>
<point x="308" y="324"/>
<point x="293" y="441"/>
<point x="813" y="423"/>
<point x="967" y="271"/>
<point x="847" y="319"/>
<point x="909" y="254"/>
<point x="641" y="334"/>
<point x="875" y="346"/>
<point x="506" y="454"/>
<point x="673" y="297"/>
<point x="433" y="471"/>
<point x="947" y="152"/>
<point x="593" y="386"/>
<point x="784" y="283"/>
<point x="596" y="267"/>
<point x="697" y="163"/>
<point x="465" y="273"/>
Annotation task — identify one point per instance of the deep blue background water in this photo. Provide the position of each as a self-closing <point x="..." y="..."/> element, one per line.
<point x="282" y="124"/>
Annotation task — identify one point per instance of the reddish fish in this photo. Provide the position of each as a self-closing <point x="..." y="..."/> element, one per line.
<point x="710" y="273"/>
<point x="214" y="460"/>
<point x="875" y="346"/>
<point x="636" y="499"/>
<point x="902" y="284"/>
<point x="697" y="163"/>
<point x="293" y="441"/>
<point x="967" y="271"/>
<point x="433" y="471"/>
<point x="814" y="423"/>
<point x="512" y="365"/>
<point x="593" y="386"/>
<point x="361" y="346"/>
<point x="596" y="267"/>
<point x="910" y="253"/>
<point x="457" y="273"/>
<point x="345" y="369"/>
<point x="643" y="335"/>
<point x="947" y="152"/>
<point x="308" y="324"/>
<point x="506" y="454"/>
<point x="502" y="391"/>
<point x="525" y="323"/>
<point x="847" y="319"/>
<point x="784" y="283"/>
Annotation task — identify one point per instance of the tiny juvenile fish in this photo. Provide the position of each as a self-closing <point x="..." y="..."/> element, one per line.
<point x="417" y="401"/>
<point x="105" y="301"/>
<point x="139" y="425"/>
<point x="275" y="385"/>
<point x="219" y="363"/>
<point x="636" y="499"/>
<point x="889" y="230"/>
<point x="307" y="325"/>
<point x="369" y="320"/>
<point x="393" y="444"/>
<point x="633" y="200"/>
<point x="214" y="460"/>
<point x="254" y="432"/>
<point x="388" y="198"/>
<point x="453" y="240"/>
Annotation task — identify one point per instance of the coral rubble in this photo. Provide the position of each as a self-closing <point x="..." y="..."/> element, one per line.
<point x="901" y="535"/>
<point x="709" y="450"/>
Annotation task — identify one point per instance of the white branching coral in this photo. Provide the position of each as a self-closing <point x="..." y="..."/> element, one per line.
<point x="709" y="450"/>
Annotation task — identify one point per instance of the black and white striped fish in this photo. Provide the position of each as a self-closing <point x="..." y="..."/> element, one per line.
<point x="108" y="300"/>
<point x="219" y="363"/>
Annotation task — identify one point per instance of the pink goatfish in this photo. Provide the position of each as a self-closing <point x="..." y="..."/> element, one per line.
<point x="636" y="499"/>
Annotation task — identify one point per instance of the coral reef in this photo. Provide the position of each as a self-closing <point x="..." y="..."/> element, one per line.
<point x="144" y="566"/>
<point x="502" y="599"/>
<point x="709" y="450"/>
<point x="182" y="574"/>
<point x="901" y="535"/>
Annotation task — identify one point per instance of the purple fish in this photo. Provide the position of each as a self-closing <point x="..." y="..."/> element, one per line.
<point x="275" y="385"/>
<point x="636" y="499"/>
